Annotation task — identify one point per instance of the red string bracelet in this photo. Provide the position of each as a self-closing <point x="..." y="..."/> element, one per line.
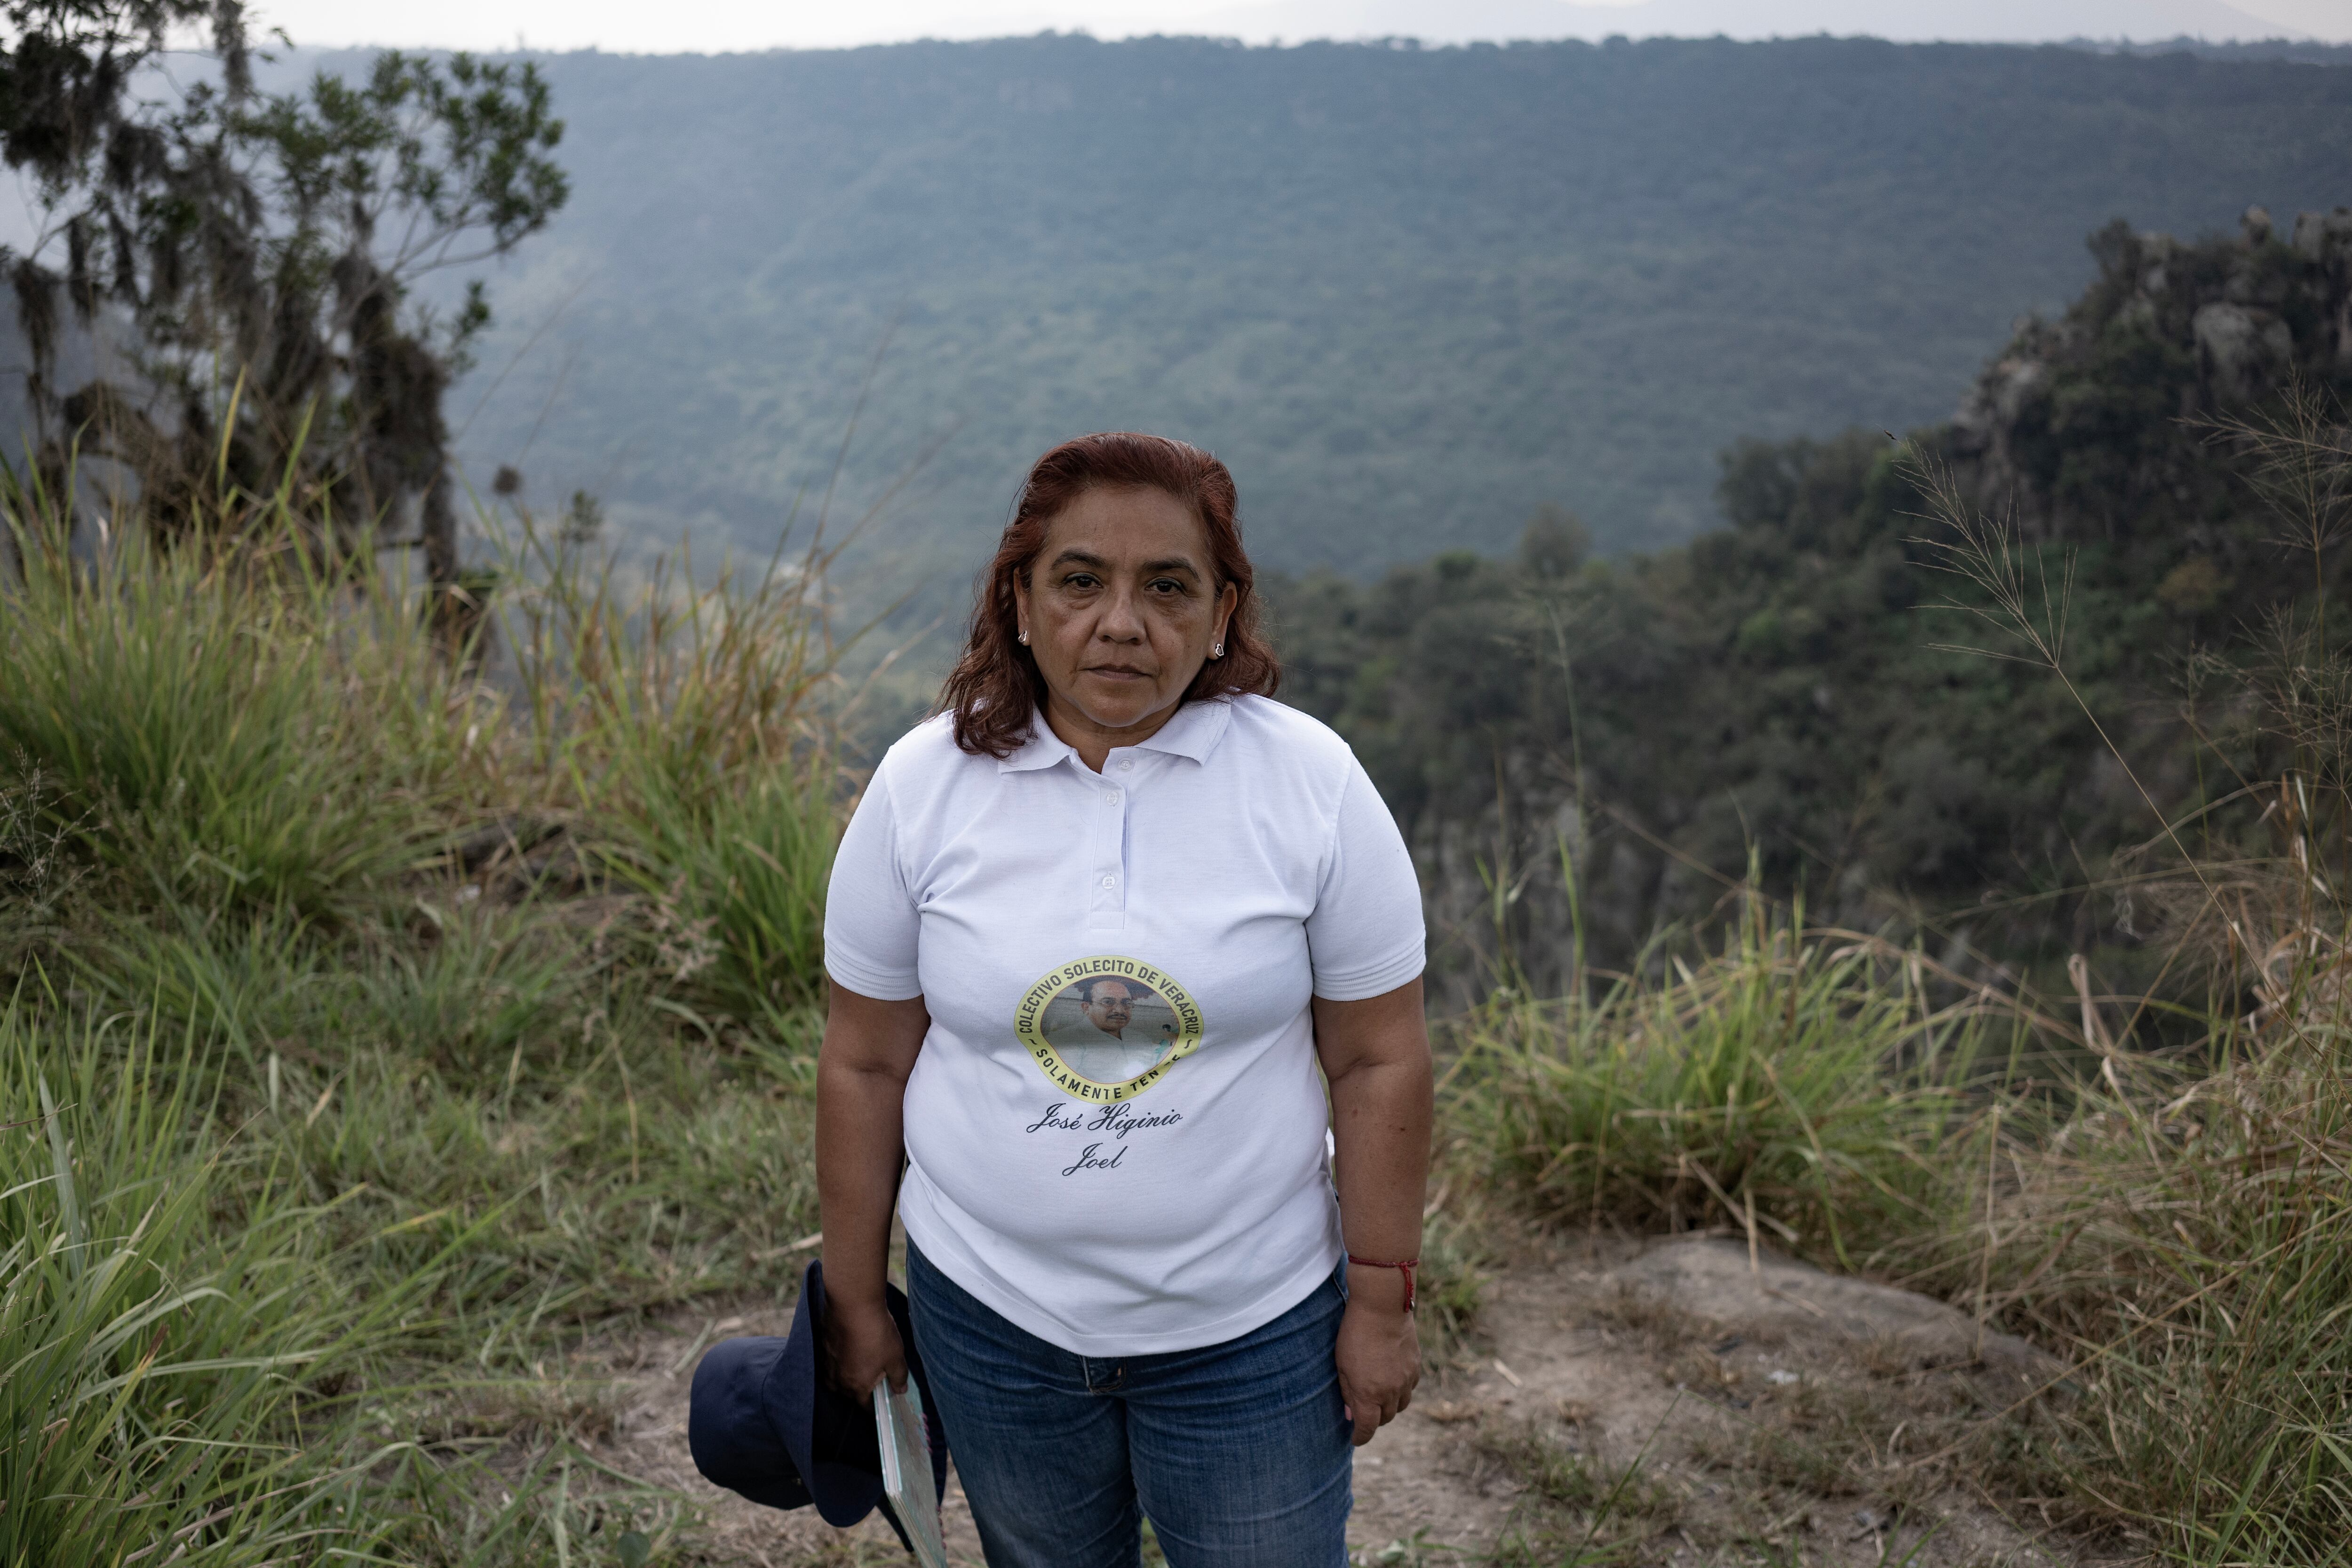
<point x="1404" y="1267"/>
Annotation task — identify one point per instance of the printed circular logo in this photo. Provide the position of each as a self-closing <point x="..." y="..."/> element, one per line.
<point x="1107" y="1028"/>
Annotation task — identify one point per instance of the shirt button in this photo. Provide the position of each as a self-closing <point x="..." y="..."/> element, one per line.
<point x="1110" y="881"/>
<point x="1111" y="797"/>
<point x="1128" y="766"/>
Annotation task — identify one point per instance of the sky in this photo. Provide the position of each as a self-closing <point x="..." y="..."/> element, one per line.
<point x="718" y="26"/>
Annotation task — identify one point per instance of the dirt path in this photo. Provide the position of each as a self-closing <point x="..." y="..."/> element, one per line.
<point x="1767" y="1415"/>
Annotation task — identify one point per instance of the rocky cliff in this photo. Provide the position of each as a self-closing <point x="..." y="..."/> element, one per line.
<point x="2077" y="423"/>
<point x="1775" y="697"/>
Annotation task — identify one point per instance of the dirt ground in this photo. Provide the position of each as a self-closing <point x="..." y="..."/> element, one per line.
<point x="1767" y="1414"/>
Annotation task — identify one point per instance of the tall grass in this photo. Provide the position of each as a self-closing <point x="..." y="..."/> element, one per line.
<point x="486" y="974"/>
<point x="2195" y="1258"/>
<point x="735" y="879"/>
<point x="171" y="1326"/>
<point x="1797" y="1083"/>
<point x="688" y="726"/>
<point x="2182" y="1235"/>
<point x="245" y="726"/>
<point x="226" y="726"/>
<point x="2176" y="1223"/>
<point x="216" y="1347"/>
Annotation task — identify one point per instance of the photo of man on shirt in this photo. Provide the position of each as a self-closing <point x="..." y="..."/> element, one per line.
<point x="1107" y="1031"/>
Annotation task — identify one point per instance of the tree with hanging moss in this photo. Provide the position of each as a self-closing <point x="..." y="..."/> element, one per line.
<point x="261" y="254"/>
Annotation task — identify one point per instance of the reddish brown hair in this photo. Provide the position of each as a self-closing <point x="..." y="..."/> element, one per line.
<point x="996" y="687"/>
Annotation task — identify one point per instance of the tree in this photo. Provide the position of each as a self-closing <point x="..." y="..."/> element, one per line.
<point x="263" y="250"/>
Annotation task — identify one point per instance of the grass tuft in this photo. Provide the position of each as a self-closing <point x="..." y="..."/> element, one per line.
<point x="1796" y="1085"/>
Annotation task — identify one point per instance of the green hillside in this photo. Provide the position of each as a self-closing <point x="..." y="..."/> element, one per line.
<point x="409" y="1047"/>
<point x="1781" y="697"/>
<point x="1411" y="295"/>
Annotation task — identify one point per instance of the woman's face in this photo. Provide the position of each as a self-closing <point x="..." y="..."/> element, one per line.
<point x="1121" y="607"/>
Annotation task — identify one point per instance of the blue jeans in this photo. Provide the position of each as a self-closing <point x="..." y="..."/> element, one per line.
<point x="1239" y="1453"/>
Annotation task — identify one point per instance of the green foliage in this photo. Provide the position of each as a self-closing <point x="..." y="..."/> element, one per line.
<point x="169" y="1318"/>
<point x="689" y="715"/>
<point x="2223" y="1369"/>
<point x="218" y="733"/>
<point x="2174" y="1224"/>
<point x="489" y="1074"/>
<point x="263" y="731"/>
<point x="1411" y="296"/>
<point x="487" y="1202"/>
<point x="256" y="254"/>
<point x="1765" y="692"/>
<point x="66" y="71"/>
<point x="444" y="1092"/>
<point x="737" y="879"/>
<point x="1796" y="1081"/>
<point x="463" y="143"/>
<point x="1798" y="690"/>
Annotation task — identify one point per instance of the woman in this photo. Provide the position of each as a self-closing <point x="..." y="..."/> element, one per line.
<point x="1135" y="1292"/>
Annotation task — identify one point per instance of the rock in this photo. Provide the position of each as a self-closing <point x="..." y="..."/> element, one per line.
<point x="2325" y="238"/>
<point x="2206" y="326"/>
<point x="1711" y="1280"/>
<point x="2000" y="396"/>
<point x="2242" y="351"/>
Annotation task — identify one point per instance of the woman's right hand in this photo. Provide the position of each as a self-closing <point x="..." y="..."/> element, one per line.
<point x="862" y="1343"/>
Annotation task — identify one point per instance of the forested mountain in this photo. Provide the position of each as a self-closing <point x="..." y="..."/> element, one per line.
<point x="1961" y="21"/>
<point x="1411" y="295"/>
<point x="1772" y="696"/>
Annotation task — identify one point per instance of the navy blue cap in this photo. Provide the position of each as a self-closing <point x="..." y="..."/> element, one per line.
<point x="766" y="1422"/>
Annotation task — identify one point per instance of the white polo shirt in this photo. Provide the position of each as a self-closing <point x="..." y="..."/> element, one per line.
<point x="1115" y="1128"/>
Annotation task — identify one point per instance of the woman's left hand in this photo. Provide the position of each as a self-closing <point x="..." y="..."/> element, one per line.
<point x="1379" y="1356"/>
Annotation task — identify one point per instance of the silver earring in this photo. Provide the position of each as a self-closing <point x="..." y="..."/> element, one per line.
<point x="1025" y="638"/>
<point x="1218" y="651"/>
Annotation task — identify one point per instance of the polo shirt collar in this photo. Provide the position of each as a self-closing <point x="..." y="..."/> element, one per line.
<point x="1043" y="749"/>
<point x="1193" y="732"/>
